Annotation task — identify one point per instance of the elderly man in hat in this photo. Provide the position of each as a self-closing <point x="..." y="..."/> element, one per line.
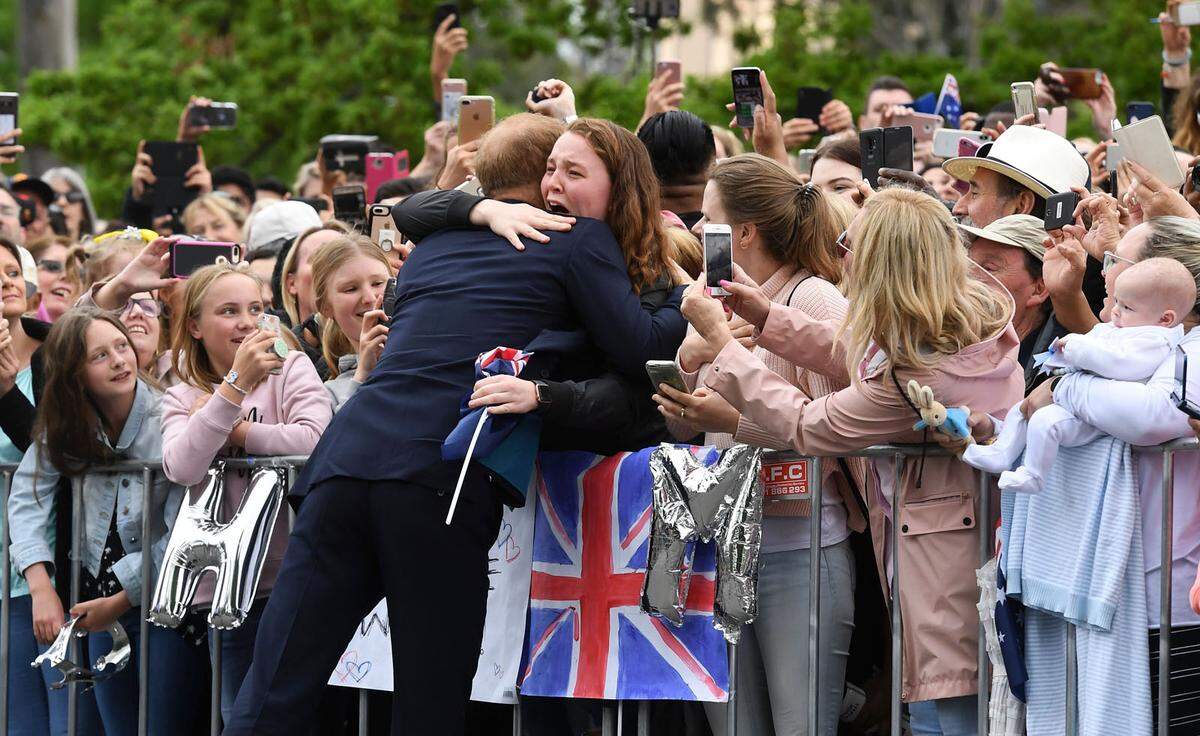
<point x="1009" y="251"/>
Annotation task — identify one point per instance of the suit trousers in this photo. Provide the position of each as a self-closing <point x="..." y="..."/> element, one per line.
<point x="356" y="541"/>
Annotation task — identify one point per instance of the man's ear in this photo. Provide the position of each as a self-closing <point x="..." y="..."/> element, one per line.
<point x="1025" y="202"/>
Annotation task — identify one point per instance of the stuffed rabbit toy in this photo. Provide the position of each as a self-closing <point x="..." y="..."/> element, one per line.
<point x="951" y="422"/>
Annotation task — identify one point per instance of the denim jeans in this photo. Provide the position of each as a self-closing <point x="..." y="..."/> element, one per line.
<point x="944" y="717"/>
<point x="178" y="673"/>
<point x="237" y="649"/>
<point x="33" y="708"/>
<point x="772" y="687"/>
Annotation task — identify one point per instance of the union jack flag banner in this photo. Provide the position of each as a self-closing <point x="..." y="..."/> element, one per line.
<point x="588" y="637"/>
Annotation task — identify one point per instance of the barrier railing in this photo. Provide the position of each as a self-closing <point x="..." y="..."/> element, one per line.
<point x="613" y="717"/>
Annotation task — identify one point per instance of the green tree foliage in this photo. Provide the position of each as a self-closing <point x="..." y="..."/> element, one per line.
<point x="300" y="69"/>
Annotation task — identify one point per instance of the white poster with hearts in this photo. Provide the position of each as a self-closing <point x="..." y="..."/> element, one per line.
<point x="367" y="660"/>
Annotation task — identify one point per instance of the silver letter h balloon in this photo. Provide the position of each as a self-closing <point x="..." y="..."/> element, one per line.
<point x="235" y="550"/>
<point x="698" y="502"/>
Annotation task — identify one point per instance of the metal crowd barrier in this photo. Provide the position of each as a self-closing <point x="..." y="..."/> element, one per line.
<point x="613" y="714"/>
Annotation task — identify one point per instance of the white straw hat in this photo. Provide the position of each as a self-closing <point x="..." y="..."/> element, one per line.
<point x="1042" y="161"/>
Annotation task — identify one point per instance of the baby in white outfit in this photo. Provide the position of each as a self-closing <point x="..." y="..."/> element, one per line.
<point x="1150" y="300"/>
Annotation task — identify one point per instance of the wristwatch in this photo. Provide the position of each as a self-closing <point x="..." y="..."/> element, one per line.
<point x="543" y="395"/>
<point x="231" y="378"/>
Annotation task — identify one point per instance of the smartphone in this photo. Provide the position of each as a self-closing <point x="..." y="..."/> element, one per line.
<point x="946" y="142"/>
<point x="1060" y="210"/>
<point x="747" y="93"/>
<point x="923" y="125"/>
<point x="665" y="371"/>
<point x="810" y="101"/>
<point x="8" y="115"/>
<point x="673" y="69"/>
<point x="389" y="298"/>
<point x="804" y="160"/>
<point x="187" y="256"/>
<point x="1147" y="143"/>
<point x="350" y="204"/>
<point x="270" y="323"/>
<point x="452" y="92"/>
<point x="1024" y="101"/>
<point x="383" y="228"/>
<point x="1179" y="392"/>
<point x="317" y="203"/>
<point x="384" y="167"/>
<point x="1083" y="84"/>
<point x="347" y="153"/>
<point x="885" y="148"/>
<point x="216" y="115"/>
<point x="1187" y="14"/>
<point x="1054" y="119"/>
<point x="718" y="257"/>
<point x="1135" y="111"/>
<point x="444" y="11"/>
<point x="476" y="116"/>
<point x="1112" y="157"/>
<point x="171" y="161"/>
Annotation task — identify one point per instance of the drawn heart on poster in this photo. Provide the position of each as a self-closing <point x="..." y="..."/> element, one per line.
<point x="506" y="541"/>
<point x="354" y="669"/>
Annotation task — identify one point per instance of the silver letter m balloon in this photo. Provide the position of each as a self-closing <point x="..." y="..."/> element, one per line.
<point x="695" y="501"/>
<point x="235" y="550"/>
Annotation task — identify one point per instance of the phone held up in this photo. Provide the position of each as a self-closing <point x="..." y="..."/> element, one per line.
<point x="747" y="94"/>
<point x="885" y="148"/>
<point x="444" y="11"/>
<point x="171" y="161"/>
<point x="810" y="101"/>
<point x="1060" y="210"/>
<point x="270" y="323"/>
<point x="188" y="256"/>
<point x="383" y="228"/>
<point x="384" y="166"/>
<point x="672" y="68"/>
<point x="665" y="371"/>
<point x="348" y="153"/>
<point x="9" y="101"/>
<point x="215" y="115"/>
<point x="1024" y="101"/>
<point x="718" y="257"/>
<point x="350" y="204"/>
<point x="452" y="91"/>
<point x="476" y="116"/>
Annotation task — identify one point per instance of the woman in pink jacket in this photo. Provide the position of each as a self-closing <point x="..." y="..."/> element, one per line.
<point x="915" y="314"/>
<point x="238" y="397"/>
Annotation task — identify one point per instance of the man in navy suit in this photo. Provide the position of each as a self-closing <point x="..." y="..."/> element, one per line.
<point x="377" y="490"/>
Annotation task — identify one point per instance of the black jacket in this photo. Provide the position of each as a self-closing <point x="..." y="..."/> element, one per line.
<point x="595" y="407"/>
<point x="461" y="294"/>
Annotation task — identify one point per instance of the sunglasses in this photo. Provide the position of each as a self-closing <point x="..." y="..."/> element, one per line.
<point x="51" y="266"/>
<point x="72" y="197"/>
<point x="1111" y="259"/>
<point x="843" y="242"/>
<point x="152" y="308"/>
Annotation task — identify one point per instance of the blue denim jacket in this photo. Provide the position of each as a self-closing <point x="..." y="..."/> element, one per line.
<point x="31" y="503"/>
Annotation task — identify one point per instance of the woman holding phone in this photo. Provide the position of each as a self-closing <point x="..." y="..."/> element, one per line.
<point x="917" y="315"/>
<point x="783" y="232"/>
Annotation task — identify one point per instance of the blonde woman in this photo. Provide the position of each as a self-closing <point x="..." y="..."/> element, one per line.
<point x="917" y="315"/>
<point x="295" y="288"/>
<point x="783" y="235"/>
<point x="214" y="216"/>
<point x="349" y="278"/>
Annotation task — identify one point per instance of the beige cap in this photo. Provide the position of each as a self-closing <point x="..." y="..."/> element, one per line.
<point x="1019" y="231"/>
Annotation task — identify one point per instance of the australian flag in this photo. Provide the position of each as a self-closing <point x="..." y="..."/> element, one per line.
<point x="588" y="637"/>
<point x="947" y="103"/>
<point x="1010" y="629"/>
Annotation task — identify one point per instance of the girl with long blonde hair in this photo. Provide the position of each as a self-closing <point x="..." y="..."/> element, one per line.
<point x="245" y="390"/>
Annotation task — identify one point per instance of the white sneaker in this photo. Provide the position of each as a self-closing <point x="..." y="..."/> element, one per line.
<point x="1021" y="480"/>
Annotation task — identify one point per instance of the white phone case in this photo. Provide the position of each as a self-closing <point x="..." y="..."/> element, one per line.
<point x="1146" y="143"/>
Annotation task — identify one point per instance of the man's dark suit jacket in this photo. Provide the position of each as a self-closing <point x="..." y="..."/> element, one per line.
<point x="462" y="293"/>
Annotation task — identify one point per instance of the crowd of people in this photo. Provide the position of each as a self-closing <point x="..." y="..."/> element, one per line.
<point x="579" y="241"/>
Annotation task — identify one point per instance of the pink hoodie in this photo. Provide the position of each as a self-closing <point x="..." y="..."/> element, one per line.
<point x="288" y="414"/>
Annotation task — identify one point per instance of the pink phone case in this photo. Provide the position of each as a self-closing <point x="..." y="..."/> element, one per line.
<point x="381" y="167"/>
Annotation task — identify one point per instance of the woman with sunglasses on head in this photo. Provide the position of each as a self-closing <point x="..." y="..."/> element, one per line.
<point x="132" y="291"/>
<point x="74" y="200"/>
